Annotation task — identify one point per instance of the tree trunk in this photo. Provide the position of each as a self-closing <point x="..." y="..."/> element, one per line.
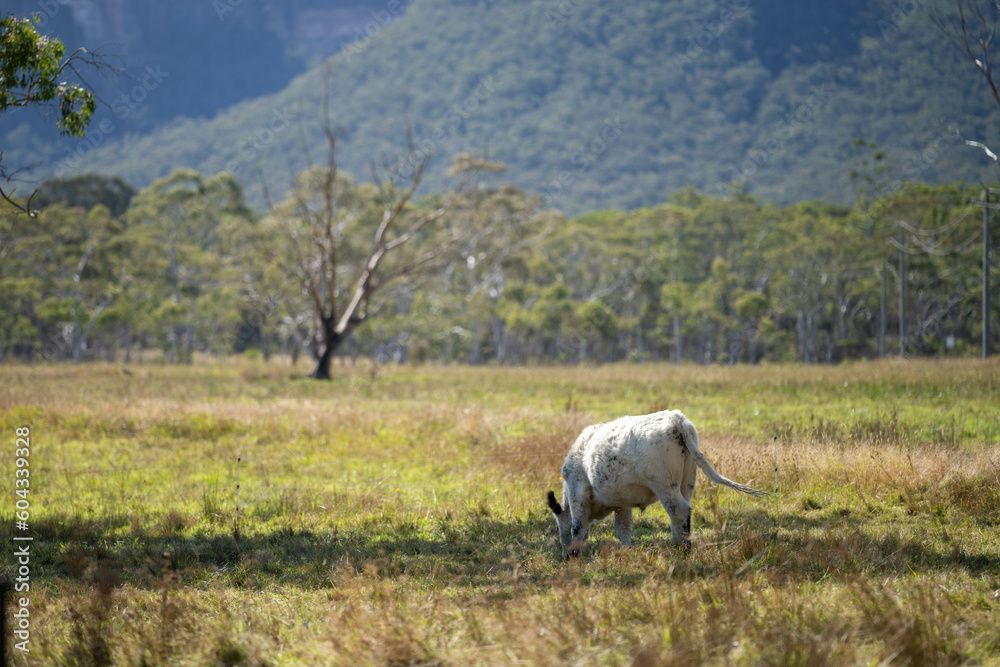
<point x="709" y="342"/>
<point x="678" y="343"/>
<point x="265" y="344"/>
<point x="499" y="341"/>
<point x="331" y="340"/>
<point x="813" y="331"/>
<point x="322" y="370"/>
<point x="189" y="342"/>
<point x="919" y="336"/>
<point x="737" y="345"/>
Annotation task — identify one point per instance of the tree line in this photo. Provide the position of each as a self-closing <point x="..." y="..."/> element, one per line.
<point x="487" y="274"/>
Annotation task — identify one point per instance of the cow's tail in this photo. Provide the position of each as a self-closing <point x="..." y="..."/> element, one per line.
<point x="689" y="438"/>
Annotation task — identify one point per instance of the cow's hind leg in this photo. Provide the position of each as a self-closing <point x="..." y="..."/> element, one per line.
<point x="679" y="510"/>
<point x="687" y="488"/>
<point x="623" y="525"/>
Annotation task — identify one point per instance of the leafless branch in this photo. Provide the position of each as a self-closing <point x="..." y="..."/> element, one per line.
<point x="973" y="32"/>
<point x="9" y="196"/>
<point x="411" y="147"/>
<point x="26" y="208"/>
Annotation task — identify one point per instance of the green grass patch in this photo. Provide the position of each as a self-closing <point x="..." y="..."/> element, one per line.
<point x="396" y="516"/>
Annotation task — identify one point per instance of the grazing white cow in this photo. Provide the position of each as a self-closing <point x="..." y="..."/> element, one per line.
<point x="632" y="462"/>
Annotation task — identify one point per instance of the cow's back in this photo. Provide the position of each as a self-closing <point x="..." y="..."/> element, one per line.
<point x="622" y="457"/>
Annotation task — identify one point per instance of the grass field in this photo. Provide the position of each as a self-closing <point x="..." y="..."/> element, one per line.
<point x="396" y="516"/>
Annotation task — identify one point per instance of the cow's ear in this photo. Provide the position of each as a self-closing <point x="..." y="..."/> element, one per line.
<point x="553" y="504"/>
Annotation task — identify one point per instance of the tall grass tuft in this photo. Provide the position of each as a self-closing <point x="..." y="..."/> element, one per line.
<point x="89" y="608"/>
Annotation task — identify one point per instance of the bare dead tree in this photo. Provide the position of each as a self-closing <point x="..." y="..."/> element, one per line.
<point x="338" y="279"/>
<point x="972" y="26"/>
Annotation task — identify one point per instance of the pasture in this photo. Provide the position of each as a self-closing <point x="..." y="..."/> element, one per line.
<point x="396" y="516"/>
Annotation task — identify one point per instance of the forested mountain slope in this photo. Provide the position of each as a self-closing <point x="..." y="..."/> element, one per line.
<point x="603" y="104"/>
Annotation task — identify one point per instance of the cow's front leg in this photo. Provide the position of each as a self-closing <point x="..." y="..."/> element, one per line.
<point x="580" y="507"/>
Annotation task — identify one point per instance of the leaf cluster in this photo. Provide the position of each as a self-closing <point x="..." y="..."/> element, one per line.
<point x="31" y="66"/>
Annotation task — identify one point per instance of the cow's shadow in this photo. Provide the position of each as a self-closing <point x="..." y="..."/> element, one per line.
<point x="473" y="553"/>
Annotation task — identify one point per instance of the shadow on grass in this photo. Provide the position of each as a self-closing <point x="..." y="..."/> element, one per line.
<point x="479" y="551"/>
<point x="464" y="553"/>
<point x="845" y="543"/>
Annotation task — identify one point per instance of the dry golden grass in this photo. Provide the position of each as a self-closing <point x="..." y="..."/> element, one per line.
<point x="396" y="517"/>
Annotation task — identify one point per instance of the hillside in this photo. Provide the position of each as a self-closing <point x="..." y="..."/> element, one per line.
<point x="596" y="105"/>
<point x="214" y="54"/>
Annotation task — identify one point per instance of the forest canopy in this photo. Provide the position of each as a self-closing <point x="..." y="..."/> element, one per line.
<point x="188" y="268"/>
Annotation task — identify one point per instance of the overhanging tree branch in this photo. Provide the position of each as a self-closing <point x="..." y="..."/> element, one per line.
<point x="30" y="69"/>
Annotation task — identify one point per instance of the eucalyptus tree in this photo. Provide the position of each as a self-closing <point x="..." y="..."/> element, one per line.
<point x="498" y="229"/>
<point x="19" y="291"/>
<point x="63" y="276"/>
<point x="933" y="242"/>
<point x="177" y="226"/>
<point x="816" y="252"/>
<point x="32" y="71"/>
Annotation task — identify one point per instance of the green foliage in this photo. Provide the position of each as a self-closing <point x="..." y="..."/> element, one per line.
<point x="86" y="190"/>
<point x="189" y="268"/>
<point x="30" y="69"/>
<point x="750" y="305"/>
<point x="73" y="261"/>
<point x="185" y="228"/>
<point x="90" y="283"/>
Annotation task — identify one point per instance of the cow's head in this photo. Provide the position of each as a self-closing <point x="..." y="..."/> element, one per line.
<point x="563" y="521"/>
